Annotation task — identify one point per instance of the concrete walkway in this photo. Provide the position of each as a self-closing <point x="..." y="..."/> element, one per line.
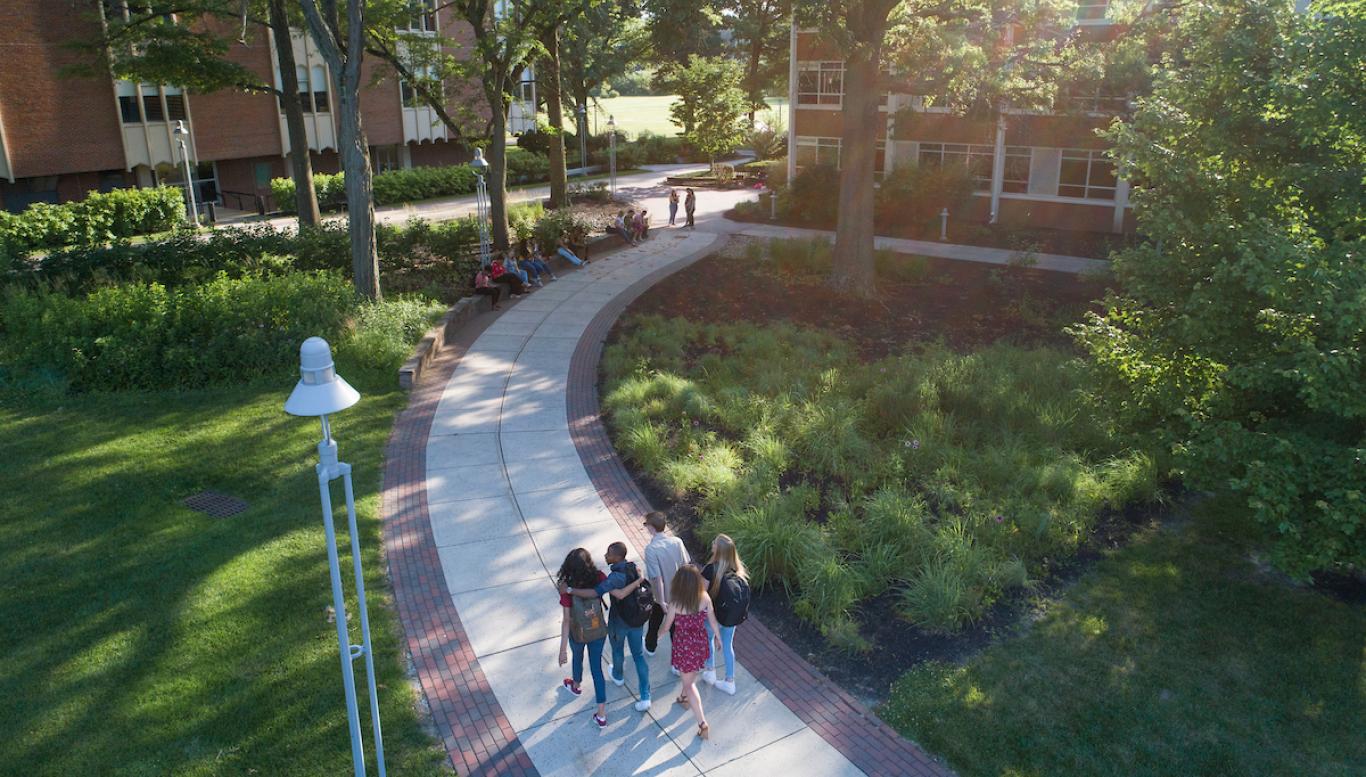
<point x="1055" y="262"/>
<point x="508" y="497"/>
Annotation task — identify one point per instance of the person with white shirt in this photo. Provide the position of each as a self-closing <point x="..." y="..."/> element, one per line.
<point x="663" y="556"/>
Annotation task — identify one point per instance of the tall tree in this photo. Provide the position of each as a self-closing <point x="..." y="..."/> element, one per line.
<point x="679" y="30"/>
<point x="761" y="31"/>
<point x="343" y="48"/>
<point x="599" y="45"/>
<point x="1237" y="339"/>
<point x="192" y="50"/>
<point x="551" y="17"/>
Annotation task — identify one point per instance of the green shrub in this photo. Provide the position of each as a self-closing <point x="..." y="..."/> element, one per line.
<point x="392" y="187"/>
<point x="812" y="198"/>
<point x="940" y="598"/>
<point x="776" y="537"/>
<point x="914" y="194"/>
<point x="96" y="220"/>
<point x="383" y="333"/>
<point x="801" y="256"/>
<point x="148" y="336"/>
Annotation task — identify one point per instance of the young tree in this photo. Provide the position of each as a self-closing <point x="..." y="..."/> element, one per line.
<point x="343" y="48"/>
<point x="711" y="106"/>
<point x="1238" y="336"/>
<point x="193" y="50"/>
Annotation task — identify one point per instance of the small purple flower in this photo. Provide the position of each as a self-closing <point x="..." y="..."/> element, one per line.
<point x="881" y="369"/>
<point x="912" y="444"/>
<point x="1000" y="519"/>
<point x="696" y="422"/>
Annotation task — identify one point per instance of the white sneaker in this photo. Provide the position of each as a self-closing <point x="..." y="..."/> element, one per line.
<point x="675" y="671"/>
<point x="615" y="681"/>
<point x="726" y="686"/>
<point x="642" y="705"/>
<point x="649" y="652"/>
<point x="709" y="676"/>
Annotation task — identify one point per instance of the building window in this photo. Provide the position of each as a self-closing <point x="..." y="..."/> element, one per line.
<point x="423" y="18"/>
<point x="527" y="92"/>
<point x="818" y="151"/>
<point x="1091" y="11"/>
<point x="128" y="103"/>
<point x="1015" y="179"/>
<point x="1092" y="101"/>
<point x="1086" y="174"/>
<point x="175" y="104"/>
<point x="407" y="94"/>
<point x="151" y="104"/>
<point x="820" y="83"/>
<point x="320" y="102"/>
<point x="933" y="103"/>
<point x="977" y="159"/>
<point x="205" y="179"/>
<point x="305" y="92"/>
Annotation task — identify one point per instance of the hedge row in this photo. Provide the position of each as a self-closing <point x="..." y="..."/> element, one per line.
<point x="145" y="336"/>
<point x="96" y="220"/>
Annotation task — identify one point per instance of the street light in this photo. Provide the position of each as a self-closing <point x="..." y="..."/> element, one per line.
<point x="481" y="200"/>
<point x="180" y="133"/>
<point x="612" y="152"/>
<point x="583" y="141"/>
<point x="319" y="393"/>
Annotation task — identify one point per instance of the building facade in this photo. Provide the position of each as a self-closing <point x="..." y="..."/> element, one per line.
<point x="1031" y="168"/>
<point x="62" y="136"/>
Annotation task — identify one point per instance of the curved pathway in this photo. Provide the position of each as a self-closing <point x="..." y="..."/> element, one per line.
<point x="499" y="467"/>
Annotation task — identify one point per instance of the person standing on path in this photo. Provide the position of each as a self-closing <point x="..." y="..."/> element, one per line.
<point x="690" y="614"/>
<point x="690" y="206"/>
<point x="663" y="556"/>
<point x="621" y="583"/>
<point x="728" y="586"/>
<point x="583" y="625"/>
<point x="673" y="207"/>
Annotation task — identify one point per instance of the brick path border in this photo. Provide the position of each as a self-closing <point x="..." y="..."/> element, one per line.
<point x="477" y="736"/>
<point x="827" y="709"/>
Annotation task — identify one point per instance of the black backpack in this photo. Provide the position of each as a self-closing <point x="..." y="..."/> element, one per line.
<point x="635" y="608"/>
<point x="732" y="601"/>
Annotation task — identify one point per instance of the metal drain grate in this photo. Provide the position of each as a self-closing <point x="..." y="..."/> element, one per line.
<point x="214" y="504"/>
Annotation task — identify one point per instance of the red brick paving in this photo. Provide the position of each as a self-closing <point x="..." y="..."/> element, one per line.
<point x="476" y="734"/>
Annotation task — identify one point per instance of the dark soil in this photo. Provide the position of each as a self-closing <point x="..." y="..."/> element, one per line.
<point x="962" y="304"/>
<point x="1096" y="245"/>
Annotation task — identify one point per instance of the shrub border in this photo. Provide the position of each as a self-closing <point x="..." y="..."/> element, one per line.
<point x="825" y="707"/>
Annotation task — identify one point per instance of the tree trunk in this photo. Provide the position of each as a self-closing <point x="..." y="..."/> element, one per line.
<point x="554" y="108"/>
<point x="498" y="173"/>
<point x="305" y="196"/>
<point x="360" y="201"/>
<point x="853" y="266"/>
<point x="752" y="86"/>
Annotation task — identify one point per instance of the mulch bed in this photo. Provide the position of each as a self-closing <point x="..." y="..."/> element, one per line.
<point x="962" y="304"/>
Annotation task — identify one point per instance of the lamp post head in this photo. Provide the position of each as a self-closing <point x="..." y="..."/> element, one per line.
<point x="582" y="110"/>
<point x="320" y="390"/>
<point x="180" y="131"/>
<point x="479" y="163"/>
<point x="611" y="123"/>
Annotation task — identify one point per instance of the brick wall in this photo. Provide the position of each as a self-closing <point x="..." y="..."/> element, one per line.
<point x="54" y="124"/>
<point x="232" y="124"/>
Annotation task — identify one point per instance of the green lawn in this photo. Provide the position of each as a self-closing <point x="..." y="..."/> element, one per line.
<point x="639" y="114"/>
<point x="145" y="639"/>
<point x="1175" y="656"/>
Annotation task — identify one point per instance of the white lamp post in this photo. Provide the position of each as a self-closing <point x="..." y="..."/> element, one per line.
<point x="481" y="200"/>
<point x="583" y="141"/>
<point x="612" y="152"/>
<point x="180" y="133"/>
<point x="319" y="393"/>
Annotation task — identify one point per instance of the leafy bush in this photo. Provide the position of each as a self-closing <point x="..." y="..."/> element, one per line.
<point x="526" y="167"/>
<point x="573" y="225"/>
<point x="916" y="194"/>
<point x="135" y="335"/>
<point x="393" y="187"/>
<point x="949" y="478"/>
<point x="383" y="333"/>
<point x="98" y="219"/>
<point x="812" y="198"/>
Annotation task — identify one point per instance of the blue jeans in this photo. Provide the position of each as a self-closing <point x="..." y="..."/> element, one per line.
<point x="727" y="650"/>
<point x="539" y="267"/>
<point x="570" y="257"/>
<point x="673" y="213"/>
<point x="594" y="666"/>
<point x="618" y="633"/>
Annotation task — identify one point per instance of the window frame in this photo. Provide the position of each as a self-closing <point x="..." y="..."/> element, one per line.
<point x="1095" y="160"/>
<point x="966" y="152"/>
<point x="822" y="97"/>
<point x="819" y="144"/>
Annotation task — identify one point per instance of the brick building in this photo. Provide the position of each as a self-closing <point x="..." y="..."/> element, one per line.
<point x="1034" y="168"/>
<point x="62" y="136"/>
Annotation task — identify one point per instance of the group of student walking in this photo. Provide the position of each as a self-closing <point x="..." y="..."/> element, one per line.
<point x="699" y="608"/>
<point x="520" y="270"/>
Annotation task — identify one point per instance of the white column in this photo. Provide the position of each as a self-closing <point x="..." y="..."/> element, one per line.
<point x="1121" y="204"/>
<point x="998" y="164"/>
<point x="792" y="103"/>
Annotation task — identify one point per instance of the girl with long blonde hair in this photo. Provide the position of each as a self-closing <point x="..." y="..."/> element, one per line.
<point x="728" y="586"/>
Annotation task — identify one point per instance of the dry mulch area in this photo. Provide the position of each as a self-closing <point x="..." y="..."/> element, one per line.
<point x="963" y="304"/>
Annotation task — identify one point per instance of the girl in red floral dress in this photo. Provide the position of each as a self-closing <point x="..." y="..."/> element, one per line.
<point x="688" y="613"/>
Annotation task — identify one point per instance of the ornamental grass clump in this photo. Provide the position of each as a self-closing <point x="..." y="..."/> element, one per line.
<point x="948" y="480"/>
